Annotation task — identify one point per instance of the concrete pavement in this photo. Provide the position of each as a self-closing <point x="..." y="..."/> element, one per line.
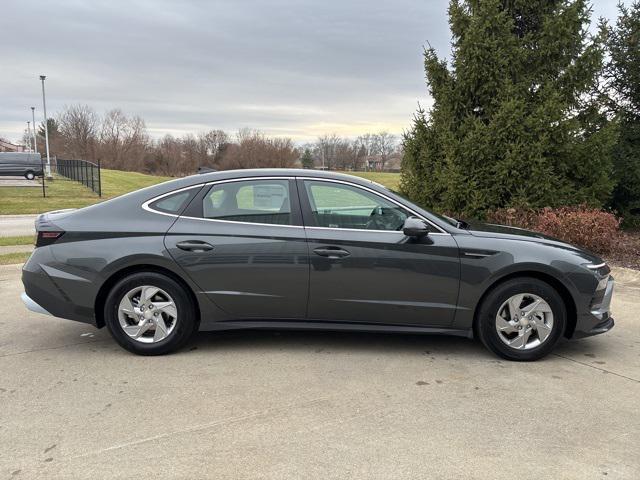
<point x="275" y="405"/>
<point x="16" y="225"/>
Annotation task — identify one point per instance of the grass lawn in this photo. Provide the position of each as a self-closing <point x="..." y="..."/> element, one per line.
<point x="12" y="241"/>
<point x="388" y="179"/>
<point x="68" y="194"/>
<point x="13" y="258"/>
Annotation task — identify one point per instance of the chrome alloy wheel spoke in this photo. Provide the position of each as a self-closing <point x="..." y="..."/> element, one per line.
<point x="147" y="314"/>
<point x="524" y="321"/>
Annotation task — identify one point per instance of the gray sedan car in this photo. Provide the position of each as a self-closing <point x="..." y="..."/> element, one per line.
<point x="305" y="249"/>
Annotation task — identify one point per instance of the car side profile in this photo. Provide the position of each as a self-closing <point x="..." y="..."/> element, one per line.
<point x="305" y="249"/>
<point x="27" y="165"/>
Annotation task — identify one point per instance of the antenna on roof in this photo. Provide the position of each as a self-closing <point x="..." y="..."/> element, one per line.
<point x="206" y="170"/>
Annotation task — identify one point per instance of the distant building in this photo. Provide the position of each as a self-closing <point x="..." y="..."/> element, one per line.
<point x="6" y="146"/>
<point x="375" y="163"/>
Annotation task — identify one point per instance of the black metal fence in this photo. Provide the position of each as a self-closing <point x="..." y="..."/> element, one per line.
<point x="82" y="171"/>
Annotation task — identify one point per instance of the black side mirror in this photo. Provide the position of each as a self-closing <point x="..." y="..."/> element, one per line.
<point x="415" y="227"/>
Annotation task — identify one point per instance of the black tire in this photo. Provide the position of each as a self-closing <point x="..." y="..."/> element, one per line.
<point x="186" y="324"/>
<point x="29" y="175"/>
<point x="486" y="318"/>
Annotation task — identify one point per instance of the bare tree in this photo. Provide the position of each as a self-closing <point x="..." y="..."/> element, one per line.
<point x="123" y="141"/>
<point x="326" y="149"/>
<point x="385" y="144"/>
<point x="211" y="146"/>
<point x="254" y="150"/>
<point x="78" y="126"/>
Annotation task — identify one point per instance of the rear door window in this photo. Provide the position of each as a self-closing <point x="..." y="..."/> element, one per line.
<point x="250" y="201"/>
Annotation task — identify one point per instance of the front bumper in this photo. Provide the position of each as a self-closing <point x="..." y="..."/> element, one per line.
<point x="598" y="320"/>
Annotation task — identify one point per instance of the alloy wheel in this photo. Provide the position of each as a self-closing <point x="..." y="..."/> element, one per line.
<point x="147" y="314"/>
<point x="524" y="321"/>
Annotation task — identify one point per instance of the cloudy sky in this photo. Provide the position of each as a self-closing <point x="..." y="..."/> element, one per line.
<point x="288" y="67"/>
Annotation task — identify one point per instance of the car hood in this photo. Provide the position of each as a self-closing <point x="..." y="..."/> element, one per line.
<point x="490" y="230"/>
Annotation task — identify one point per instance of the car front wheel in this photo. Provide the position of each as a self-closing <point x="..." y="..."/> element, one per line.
<point x="149" y="313"/>
<point x="521" y="319"/>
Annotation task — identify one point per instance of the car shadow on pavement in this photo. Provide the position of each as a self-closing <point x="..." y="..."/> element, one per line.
<point x="330" y="341"/>
<point x="319" y="341"/>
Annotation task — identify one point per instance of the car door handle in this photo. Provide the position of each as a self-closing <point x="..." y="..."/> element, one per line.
<point x="331" y="252"/>
<point x="194" y="246"/>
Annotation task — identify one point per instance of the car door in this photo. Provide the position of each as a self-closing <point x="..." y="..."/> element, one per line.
<point x="242" y="242"/>
<point x="364" y="269"/>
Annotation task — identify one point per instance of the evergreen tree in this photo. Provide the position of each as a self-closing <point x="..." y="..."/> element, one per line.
<point x="514" y="120"/>
<point x="623" y="75"/>
<point x="306" y="159"/>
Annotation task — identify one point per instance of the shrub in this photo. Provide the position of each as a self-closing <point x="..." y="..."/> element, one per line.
<point x="590" y="228"/>
<point x="515" y="217"/>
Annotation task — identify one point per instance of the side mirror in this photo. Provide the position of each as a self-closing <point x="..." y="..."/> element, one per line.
<point x="415" y="227"/>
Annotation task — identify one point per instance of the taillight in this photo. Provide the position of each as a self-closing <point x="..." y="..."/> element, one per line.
<point x="47" y="237"/>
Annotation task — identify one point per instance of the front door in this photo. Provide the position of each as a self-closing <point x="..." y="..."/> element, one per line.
<point x="364" y="269"/>
<point x="242" y="242"/>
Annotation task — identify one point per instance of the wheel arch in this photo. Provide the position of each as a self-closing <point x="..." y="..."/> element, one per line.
<point x="560" y="287"/>
<point x="118" y="275"/>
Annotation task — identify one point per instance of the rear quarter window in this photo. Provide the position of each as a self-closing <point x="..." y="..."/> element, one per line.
<point x="174" y="203"/>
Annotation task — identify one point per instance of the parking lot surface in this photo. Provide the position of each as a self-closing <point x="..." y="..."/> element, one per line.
<point x="274" y="405"/>
<point x="15" y="225"/>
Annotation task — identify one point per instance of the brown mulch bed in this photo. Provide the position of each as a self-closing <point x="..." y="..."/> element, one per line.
<point x="626" y="252"/>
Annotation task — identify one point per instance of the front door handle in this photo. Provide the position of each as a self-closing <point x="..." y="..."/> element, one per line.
<point x="194" y="246"/>
<point x="331" y="252"/>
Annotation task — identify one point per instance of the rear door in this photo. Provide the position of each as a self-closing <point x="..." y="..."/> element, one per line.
<point x="242" y="242"/>
<point x="364" y="269"/>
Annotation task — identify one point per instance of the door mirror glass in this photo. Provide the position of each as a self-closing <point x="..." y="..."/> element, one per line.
<point x="415" y="227"/>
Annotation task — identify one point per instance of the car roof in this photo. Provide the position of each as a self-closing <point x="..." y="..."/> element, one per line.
<point x="277" y="172"/>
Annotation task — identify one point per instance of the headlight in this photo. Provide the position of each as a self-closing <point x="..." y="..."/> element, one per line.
<point x="601" y="272"/>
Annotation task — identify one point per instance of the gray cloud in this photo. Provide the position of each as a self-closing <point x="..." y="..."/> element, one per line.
<point x="294" y="68"/>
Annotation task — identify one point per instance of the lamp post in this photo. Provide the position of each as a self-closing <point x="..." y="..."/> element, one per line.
<point x="29" y="136"/>
<point x="46" y="127"/>
<point x="35" y="139"/>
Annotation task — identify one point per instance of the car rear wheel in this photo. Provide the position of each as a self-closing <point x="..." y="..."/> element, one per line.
<point x="29" y="175"/>
<point x="521" y="319"/>
<point x="149" y="313"/>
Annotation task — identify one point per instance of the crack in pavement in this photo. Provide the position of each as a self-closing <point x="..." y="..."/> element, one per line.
<point x="203" y="426"/>
<point x="597" y="368"/>
<point x="51" y="348"/>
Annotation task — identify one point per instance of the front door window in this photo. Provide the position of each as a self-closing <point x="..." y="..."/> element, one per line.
<point x="336" y="205"/>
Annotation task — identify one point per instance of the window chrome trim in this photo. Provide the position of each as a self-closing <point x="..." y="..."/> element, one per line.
<point x="330" y="180"/>
<point x="146" y="206"/>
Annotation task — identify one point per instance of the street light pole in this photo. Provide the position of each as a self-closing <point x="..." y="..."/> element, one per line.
<point x="29" y="136"/>
<point x="46" y="127"/>
<point x="35" y="139"/>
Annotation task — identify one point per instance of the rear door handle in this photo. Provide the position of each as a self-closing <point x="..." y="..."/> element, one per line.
<point x="194" y="246"/>
<point x="331" y="252"/>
